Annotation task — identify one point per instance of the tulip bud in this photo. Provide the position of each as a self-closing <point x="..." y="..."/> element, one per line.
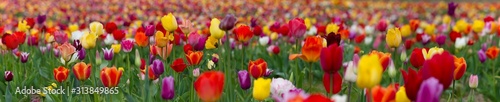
<point x="210" y="64"/>
<point x="24" y="57"/>
<point x="8" y="76"/>
<point x="137" y="60"/>
<point x="108" y="53"/>
<point x="158" y="67"/>
<point x="215" y="58"/>
<point x="228" y="22"/>
<point x="473" y="81"/>
<point x="167" y="89"/>
<point x="57" y="53"/>
<point x="268" y="72"/>
<point x="196" y="72"/>
<point x="81" y="54"/>
<point x="392" y="70"/>
<point x="403" y="56"/>
<point x="150" y="30"/>
<point x="244" y="79"/>
<point x="264" y="40"/>
<point x="98" y="59"/>
<point x="482" y="56"/>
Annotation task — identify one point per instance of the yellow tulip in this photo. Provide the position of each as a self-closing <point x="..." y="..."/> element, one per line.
<point x="308" y="23"/>
<point x="401" y="95"/>
<point x="169" y="22"/>
<point x="116" y="48"/>
<point x="49" y="38"/>
<point x="393" y="37"/>
<point x="266" y="30"/>
<point x="72" y="28"/>
<point x="88" y="40"/>
<point x="23" y="26"/>
<point x="430" y="29"/>
<point x="96" y="28"/>
<point x="274" y="36"/>
<point x="332" y="28"/>
<point x="494" y="27"/>
<point x="215" y="31"/>
<point x="406" y="30"/>
<point x="210" y="43"/>
<point x="431" y="52"/>
<point x="446" y="19"/>
<point x="162" y="39"/>
<point x="461" y="25"/>
<point x="261" y="88"/>
<point x="369" y="71"/>
<point x="478" y="25"/>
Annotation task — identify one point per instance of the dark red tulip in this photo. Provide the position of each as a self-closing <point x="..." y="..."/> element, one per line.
<point x="440" y="66"/>
<point x="454" y="35"/>
<point x="188" y="48"/>
<point x="408" y="44"/>
<point x="178" y="65"/>
<point x="337" y="82"/>
<point x="331" y="58"/>
<point x="412" y="82"/>
<point x="283" y="30"/>
<point x="228" y="22"/>
<point x="257" y="30"/>
<point x="110" y="27"/>
<point x="333" y="38"/>
<point x="417" y="58"/>
<point x="119" y="35"/>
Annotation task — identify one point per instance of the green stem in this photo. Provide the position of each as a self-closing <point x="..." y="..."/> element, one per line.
<point x="349" y="92"/>
<point x="310" y="76"/>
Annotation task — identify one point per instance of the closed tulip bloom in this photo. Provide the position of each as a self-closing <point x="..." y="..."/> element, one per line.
<point x="473" y="81"/>
<point x="88" y="40"/>
<point x="401" y="95"/>
<point x="244" y="79"/>
<point x="211" y="43"/>
<point x="243" y="33"/>
<point x="61" y="37"/>
<point x="108" y="53"/>
<point x="440" y="66"/>
<point x="405" y="31"/>
<point x="81" y="54"/>
<point x="141" y="39"/>
<point x="441" y="39"/>
<point x="332" y="28"/>
<point x="461" y="42"/>
<point x="165" y="51"/>
<point x="167" y="88"/>
<point x="478" y="26"/>
<point x="261" y="89"/>
<point x="215" y="31"/>
<point x="460" y="67"/>
<point x="228" y="22"/>
<point x="158" y="67"/>
<point x="33" y="40"/>
<point x="98" y="59"/>
<point x="209" y="86"/>
<point x="492" y="52"/>
<point x="61" y="74"/>
<point x="482" y="56"/>
<point x="41" y="19"/>
<point x="331" y="58"/>
<point x="10" y="41"/>
<point x="462" y="25"/>
<point x="317" y="98"/>
<point x="96" y="28"/>
<point x="197" y="41"/>
<point x="151" y="75"/>
<point x="417" y="58"/>
<point x="430" y="91"/>
<point x="110" y="77"/>
<point x="8" y="76"/>
<point x="110" y="27"/>
<point x="311" y="50"/>
<point x="178" y="65"/>
<point x="393" y="37"/>
<point x="24" y="57"/>
<point x="194" y="58"/>
<point x="169" y="22"/>
<point x="369" y="71"/>
<point x="196" y="72"/>
<point x="150" y="30"/>
<point x="116" y="48"/>
<point x="119" y="35"/>
<point x="257" y="68"/>
<point x="67" y="51"/>
<point x="82" y="71"/>
<point x="127" y="45"/>
<point x="337" y="82"/>
<point x="297" y="28"/>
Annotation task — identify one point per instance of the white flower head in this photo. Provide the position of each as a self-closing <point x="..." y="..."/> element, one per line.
<point x="350" y="73"/>
<point x="339" y="98"/>
<point x="280" y="86"/>
<point x="461" y="42"/>
<point x="264" y="40"/>
<point x="312" y="31"/>
<point x="76" y="35"/>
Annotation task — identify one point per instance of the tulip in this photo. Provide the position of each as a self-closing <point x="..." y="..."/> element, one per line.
<point x="350" y="73"/>
<point x="333" y="39"/>
<point x="211" y="43"/>
<point x="169" y="22"/>
<point x="67" y="51"/>
<point x="61" y="37"/>
<point x="158" y="67"/>
<point x="118" y="35"/>
<point x="77" y="44"/>
<point x="461" y="25"/>
<point x="24" y="57"/>
<point x="10" y="41"/>
<point x="210" y="64"/>
<point x="209" y="85"/>
<point x="332" y="28"/>
<point x="61" y="74"/>
<point x="264" y="40"/>
<point x="150" y="30"/>
<point x="317" y="98"/>
<point x="165" y="51"/>
<point x="412" y="82"/>
<point x="482" y="56"/>
<point x="460" y="67"/>
<point x="261" y="89"/>
<point x="116" y="48"/>
<point x="257" y="31"/>
<point x="331" y="58"/>
<point x="273" y="49"/>
<point x="110" y="27"/>
<point x="393" y="37"/>
<point x="406" y="30"/>
<point x="215" y="31"/>
<point x="369" y="71"/>
<point x="163" y="39"/>
<point x="430" y="29"/>
<point x="88" y="40"/>
<point x="57" y="53"/>
<point x="337" y="82"/>
<point x="384" y="58"/>
<point x="478" y="26"/>
<point x="33" y="40"/>
<point x="311" y="50"/>
<point x="110" y="77"/>
<point x="167" y="88"/>
<point x="41" y="18"/>
<point x="441" y="39"/>
<point x="461" y="42"/>
<point x="473" y="81"/>
<point x="280" y="87"/>
<point x="23" y="26"/>
<point x="417" y="58"/>
<point x="197" y="41"/>
<point x="492" y="52"/>
<point x="430" y="91"/>
<point x="98" y="59"/>
<point x="127" y="45"/>
<point x="451" y="8"/>
<point x="297" y="27"/>
<point x="428" y="54"/>
<point x="215" y="58"/>
<point x="382" y="25"/>
<point x="108" y="53"/>
<point x="381" y="94"/>
<point x="243" y="33"/>
<point x="8" y="76"/>
<point x="178" y="65"/>
<point x="82" y="71"/>
<point x="108" y="40"/>
<point x="440" y="66"/>
<point x="283" y="30"/>
<point x="81" y="54"/>
<point x="401" y="95"/>
<point x="151" y="75"/>
<point x="244" y="79"/>
<point x="96" y="28"/>
<point x="194" y="58"/>
<point x="196" y="72"/>
<point x="257" y="68"/>
<point x="141" y="39"/>
<point x="228" y="22"/>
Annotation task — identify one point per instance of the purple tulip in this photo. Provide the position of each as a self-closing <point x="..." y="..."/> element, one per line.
<point x="158" y="67"/>
<point x="244" y="79"/>
<point x="24" y="57"/>
<point x="268" y="72"/>
<point x="451" y="8"/>
<point x="77" y="44"/>
<point x="440" y="39"/>
<point x="473" y="81"/>
<point x="197" y="41"/>
<point x="296" y="28"/>
<point x="8" y="76"/>
<point x="150" y="30"/>
<point x="253" y="22"/>
<point x="127" y="45"/>
<point x="482" y="56"/>
<point x="60" y="37"/>
<point x="81" y="54"/>
<point x="41" y="18"/>
<point x="32" y="41"/>
<point x="108" y="53"/>
<point x="43" y="49"/>
<point x="484" y="46"/>
<point x="228" y="22"/>
<point x="430" y="91"/>
<point x="57" y="53"/>
<point x="215" y="59"/>
<point x="167" y="88"/>
<point x="151" y="58"/>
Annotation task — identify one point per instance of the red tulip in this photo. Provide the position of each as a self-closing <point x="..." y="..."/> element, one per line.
<point x="151" y="75"/>
<point x="110" y="27"/>
<point x="10" y="40"/>
<point x="417" y="58"/>
<point x="331" y="58"/>
<point x="317" y="98"/>
<point x="31" y="22"/>
<point x="257" y="30"/>
<point x="194" y="58"/>
<point x="61" y="74"/>
<point x="110" y="77"/>
<point x="209" y="86"/>
<point x="409" y="43"/>
<point x="257" y="68"/>
<point x="360" y="38"/>
<point x="118" y="35"/>
<point x="461" y="66"/>
<point x="188" y="48"/>
<point x="283" y="30"/>
<point x="82" y="71"/>
<point x="412" y="82"/>
<point x="440" y="66"/>
<point x="243" y="33"/>
<point x="21" y="37"/>
<point x="178" y="65"/>
<point x="454" y="35"/>
<point x="337" y="82"/>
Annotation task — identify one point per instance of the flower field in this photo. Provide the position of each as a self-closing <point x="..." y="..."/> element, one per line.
<point x="249" y="51"/>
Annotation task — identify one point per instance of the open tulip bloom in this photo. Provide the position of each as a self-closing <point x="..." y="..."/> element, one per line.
<point x="249" y="51"/>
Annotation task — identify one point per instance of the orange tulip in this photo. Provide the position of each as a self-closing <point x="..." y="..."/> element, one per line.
<point x="110" y="77"/>
<point x="492" y="52"/>
<point x="141" y="39"/>
<point x="243" y="33"/>
<point x="194" y="58"/>
<point x="311" y="49"/>
<point x="61" y="74"/>
<point x="257" y="68"/>
<point x="384" y="58"/>
<point x="82" y="71"/>
<point x="460" y="67"/>
<point x="381" y="94"/>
